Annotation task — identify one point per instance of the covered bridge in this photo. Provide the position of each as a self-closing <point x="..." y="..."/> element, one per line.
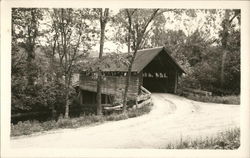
<point x="154" y="69"/>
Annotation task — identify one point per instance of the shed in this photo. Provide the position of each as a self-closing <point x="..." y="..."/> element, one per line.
<point x="154" y="69"/>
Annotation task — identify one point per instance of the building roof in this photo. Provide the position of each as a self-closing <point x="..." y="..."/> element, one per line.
<point x="142" y="59"/>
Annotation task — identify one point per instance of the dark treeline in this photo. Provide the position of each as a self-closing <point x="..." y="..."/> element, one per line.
<point x="212" y="64"/>
<point x="49" y="44"/>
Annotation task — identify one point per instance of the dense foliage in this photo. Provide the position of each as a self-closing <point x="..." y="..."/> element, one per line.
<point x="203" y="57"/>
<point x="46" y="46"/>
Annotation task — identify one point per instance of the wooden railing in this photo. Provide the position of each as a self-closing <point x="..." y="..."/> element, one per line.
<point x="145" y="94"/>
<point x="143" y="99"/>
<point x="109" y="107"/>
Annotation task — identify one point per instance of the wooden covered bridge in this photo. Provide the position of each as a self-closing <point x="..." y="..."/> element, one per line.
<point x="154" y="70"/>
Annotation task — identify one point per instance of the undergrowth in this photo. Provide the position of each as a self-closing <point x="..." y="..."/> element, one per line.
<point x="30" y="127"/>
<point x="227" y="140"/>
<point x="232" y="99"/>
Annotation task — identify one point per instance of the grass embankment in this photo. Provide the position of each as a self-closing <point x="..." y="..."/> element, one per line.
<point x="30" y="127"/>
<point x="227" y="140"/>
<point x="232" y="99"/>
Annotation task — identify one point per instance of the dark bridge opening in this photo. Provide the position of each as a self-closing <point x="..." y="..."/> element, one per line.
<point x="160" y="75"/>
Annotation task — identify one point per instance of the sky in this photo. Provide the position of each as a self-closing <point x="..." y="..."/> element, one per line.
<point x="185" y="23"/>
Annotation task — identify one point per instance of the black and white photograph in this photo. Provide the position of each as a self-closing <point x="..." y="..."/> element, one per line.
<point x="165" y="78"/>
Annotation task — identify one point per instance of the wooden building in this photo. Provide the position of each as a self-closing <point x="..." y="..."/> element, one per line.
<point x="153" y="69"/>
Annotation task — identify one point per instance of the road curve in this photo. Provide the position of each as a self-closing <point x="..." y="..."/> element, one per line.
<point x="172" y="118"/>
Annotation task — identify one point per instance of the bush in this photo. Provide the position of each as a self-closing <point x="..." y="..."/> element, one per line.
<point x="83" y="121"/>
<point x="229" y="139"/>
<point x="117" y="117"/>
<point x="48" y="125"/>
<point x="96" y="118"/>
<point x="64" y="123"/>
<point x="25" y="128"/>
<point x="233" y="99"/>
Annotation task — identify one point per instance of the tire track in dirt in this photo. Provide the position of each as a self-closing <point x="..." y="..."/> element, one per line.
<point x="171" y="118"/>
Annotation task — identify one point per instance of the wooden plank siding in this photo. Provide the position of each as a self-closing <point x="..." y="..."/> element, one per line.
<point x="140" y="75"/>
<point x="111" y="85"/>
<point x="153" y="69"/>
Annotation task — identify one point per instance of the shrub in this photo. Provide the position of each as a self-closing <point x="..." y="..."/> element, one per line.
<point x="117" y="117"/>
<point x="25" y="128"/>
<point x="83" y="121"/>
<point x="21" y="128"/>
<point x="229" y="139"/>
<point x="48" y="125"/>
<point x="64" y="123"/>
<point x="96" y="118"/>
<point x="36" y="127"/>
<point x="216" y="99"/>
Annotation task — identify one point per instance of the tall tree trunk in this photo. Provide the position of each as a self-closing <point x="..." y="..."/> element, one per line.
<point x="67" y="104"/>
<point x="30" y="58"/>
<point x="137" y="42"/>
<point x="130" y="65"/>
<point x="99" y="94"/>
<point x="225" y="34"/>
<point x="30" y="46"/>
<point x="65" y="65"/>
<point x="103" y="21"/>
<point x="53" y="111"/>
<point x="223" y="60"/>
<point x="52" y="69"/>
<point x="99" y="74"/>
<point x="67" y="84"/>
<point x="127" y="82"/>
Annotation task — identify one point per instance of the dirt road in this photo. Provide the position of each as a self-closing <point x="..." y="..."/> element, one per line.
<point x="171" y="119"/>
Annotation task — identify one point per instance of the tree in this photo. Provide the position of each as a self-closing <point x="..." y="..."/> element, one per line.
<point x="25" y="23"/>
<point x="25" y="67"/>
<point x="71" y="43"/>
<point x="137" y="27"/>
<point x="103" y="17"/>
<point x="226" y="25"/>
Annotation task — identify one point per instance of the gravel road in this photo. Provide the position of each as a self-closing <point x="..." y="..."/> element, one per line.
<point x="172" y="118"/>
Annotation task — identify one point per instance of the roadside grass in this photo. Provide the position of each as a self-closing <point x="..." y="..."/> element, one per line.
<point x="227" y="140"/>
<point x="30" y="127"/>
<point x="232" y="99"/>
